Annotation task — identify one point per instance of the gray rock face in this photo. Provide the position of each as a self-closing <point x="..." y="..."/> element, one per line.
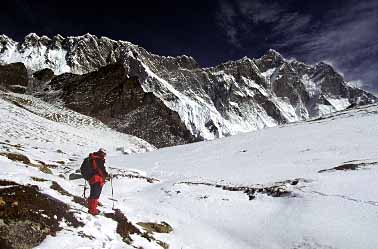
<point x="234" y="97"/>
<point x="14" y="77"/>
<point x="118" y="100"/>
<point x="44" y="75"/>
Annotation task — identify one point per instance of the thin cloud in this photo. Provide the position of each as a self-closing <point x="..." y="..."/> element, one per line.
<point x="346" y="36"/>
<point x="292" y="23"/>
<point x="349" y="40"/>
<point x="235" y="18"/>
<point x="226" y="20"/>
<point x="260" y="11"/>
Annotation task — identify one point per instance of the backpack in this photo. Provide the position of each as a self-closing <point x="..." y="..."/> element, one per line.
<point x="86" y="169"/>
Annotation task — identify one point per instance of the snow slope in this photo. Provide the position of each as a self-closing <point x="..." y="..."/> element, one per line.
<point x="62" y="138"/>
<point x="335" y="209"/>
<point x="326" y="210"/>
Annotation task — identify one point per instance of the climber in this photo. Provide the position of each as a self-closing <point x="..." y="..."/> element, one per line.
<point x="96" y="174"/>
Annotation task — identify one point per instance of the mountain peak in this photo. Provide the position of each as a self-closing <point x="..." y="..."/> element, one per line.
<point x="5" y="40"/>
<point x="324" y="67"/>
<point x="271" y="51"/>
<point x="4" y="37"/>
<point x="32" y="36"/>
<point x="274" y="56"/>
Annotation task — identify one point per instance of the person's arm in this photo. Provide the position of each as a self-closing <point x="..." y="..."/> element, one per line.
<point x="102" y="167"/>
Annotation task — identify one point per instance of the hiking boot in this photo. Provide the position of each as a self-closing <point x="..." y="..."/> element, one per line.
<point x="92" y="206"/>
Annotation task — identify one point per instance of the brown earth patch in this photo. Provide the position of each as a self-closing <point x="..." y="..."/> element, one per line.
<point x="51" y="166"/>
<point x="124" y="227"/>
<point x="37" y="179"/>
<point x="16" y="157"/>
<point x="28" y="216"/>
<point x="45" y="169"/>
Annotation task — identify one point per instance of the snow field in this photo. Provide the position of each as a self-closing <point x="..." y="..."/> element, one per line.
<point x="329" y="210"/>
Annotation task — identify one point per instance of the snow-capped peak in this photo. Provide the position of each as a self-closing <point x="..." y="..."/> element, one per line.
<point x="32" y="36"/>
<point x="274" y="52"/>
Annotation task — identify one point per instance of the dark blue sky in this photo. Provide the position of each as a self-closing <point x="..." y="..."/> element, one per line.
<point x="342" y="33"/>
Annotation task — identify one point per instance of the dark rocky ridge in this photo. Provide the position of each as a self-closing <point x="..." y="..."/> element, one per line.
<point x="119" y="101"/>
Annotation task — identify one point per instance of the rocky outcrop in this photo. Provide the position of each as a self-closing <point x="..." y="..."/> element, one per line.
<point x="14" y="77"/>
<point x="118" y="100"/>
<point x="234" y="97"/>
<point x="44" y="75"/>
<point x="27" y="216"/>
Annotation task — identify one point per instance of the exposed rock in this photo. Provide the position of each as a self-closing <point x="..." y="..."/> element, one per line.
<point x="272" y="59"/>
<point x="119" y="173"/>
<point x="124" y="227"/>
<point x="26" y="224"/>
<point x="55" y="186"/>
<point x="39" y="80"/>
<point x="278" y="189"/>
<point x="121" y="102"/>
<point x="74" y="176"/>
<point x="58" y="188"/>
<point x="16" y="157"/>
<point x="44" y="75"/>
<point x="350" y="166"/>
<point x="18" y="89"/>
<point x="14" y="77"/>
<point x="38" y="179"/>
<point x="21" y="234"/>
<point x="162" y="244"/>
<point x="150" y="227"/>
<point x="45" y="169"/>
<point x="51" y="166"/>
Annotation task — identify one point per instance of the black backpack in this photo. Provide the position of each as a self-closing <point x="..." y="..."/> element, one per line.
<point x="86" y="169"/>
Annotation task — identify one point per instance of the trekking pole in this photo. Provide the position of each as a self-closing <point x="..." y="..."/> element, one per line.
<point x="111" y="184"/>
<point x="85" y="188"/>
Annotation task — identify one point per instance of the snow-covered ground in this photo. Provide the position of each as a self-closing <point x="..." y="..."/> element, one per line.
<point x="334" y="209"/>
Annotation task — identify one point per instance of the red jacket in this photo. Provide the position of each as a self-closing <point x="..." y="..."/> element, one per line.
<point x="98" y="166"/>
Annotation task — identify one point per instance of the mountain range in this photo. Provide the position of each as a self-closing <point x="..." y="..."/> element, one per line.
<point x="172" y="100"/>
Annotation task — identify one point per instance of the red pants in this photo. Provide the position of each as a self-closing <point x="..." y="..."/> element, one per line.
<point x="93" y="198"/>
